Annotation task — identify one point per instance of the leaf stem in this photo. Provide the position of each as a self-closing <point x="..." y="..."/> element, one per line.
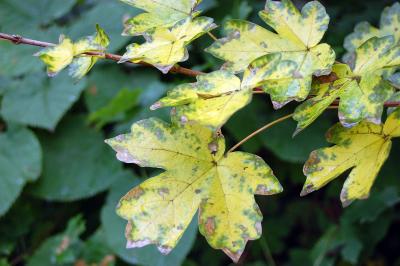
<point x="267" y="251"/>
<point x="271" y="124"/>
<point x="212" y="36"/>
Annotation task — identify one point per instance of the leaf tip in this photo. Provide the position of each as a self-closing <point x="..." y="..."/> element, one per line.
<point x="235" y="256"/>
<point x="156" y="106"/>
<point x="307" y="189"/>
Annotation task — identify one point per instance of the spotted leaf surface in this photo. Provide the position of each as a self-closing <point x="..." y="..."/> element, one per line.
<point x="210" y="101"/>
<point x="362" y="90"/>
<point x="363" y="31"/>
<point x="71" y="54"/>
<point x="82" y="64"/>
<point x="325" y="93"/>
<point x="363" y="148"/>
<point x="198" y="176"/>
<point x="158" y="13"/>
<point x="165" y="47"/>
<point x="296" y="38"/>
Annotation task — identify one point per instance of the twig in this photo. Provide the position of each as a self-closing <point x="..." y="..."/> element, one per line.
<point x="260" y="130"/>
<point x="212" y="36"/>
<point x="16" y="39"/>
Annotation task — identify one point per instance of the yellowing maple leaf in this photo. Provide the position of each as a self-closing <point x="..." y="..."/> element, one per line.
<point x="198" y="176"/>
<point x="363" y="148"/>
<point x="164" y="47"/>
<point x="159" y="13"/>
<point x="296" y="38"/>
<point x="362" y="91"/>
<point x="363" y="31"/>
<point x="211" y="101"/>
<point x="71" y="54"/>
<point x="59" y="57"/>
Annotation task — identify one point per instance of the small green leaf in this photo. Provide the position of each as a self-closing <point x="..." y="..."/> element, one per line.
<point x="116" y="109"/>
<point x="61" y="249"/>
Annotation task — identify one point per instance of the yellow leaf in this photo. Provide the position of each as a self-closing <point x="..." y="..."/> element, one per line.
<point x="71" y="54"/>
<point x="363" y="31"/>
<point x="363" y="148"/>
<point x="296" y="38"/>
<point x="165" y="47"/>
<point x="159" y="13"/>
<point x="362" y="91"/>
<point x="58" y="57"/>
<point x="306" y="28"/>
<point x="211" y="101"/>
<point x="197" y="176"/>
<point x="82" y="64"/>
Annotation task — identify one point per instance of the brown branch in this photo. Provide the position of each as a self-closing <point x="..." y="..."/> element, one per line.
<point x="16" y="39"/>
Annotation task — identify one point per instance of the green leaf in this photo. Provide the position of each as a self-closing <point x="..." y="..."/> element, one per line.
<point x="90" y="167"/>
<point x="116" y="109"/>
<point x="16" y="15"/>
<point x="61" y="249"/>
<point x="211" y="101"/>
<point x="217" y="185"/>
<point x="363" y="148"/>
<point x="158" y="13"/>
<point x="165" y="47"/>
<point x="39" y="101"/>
<point x="114" y="227"/>
<point x="95" y="251"/>
<point x="20" y="162"/>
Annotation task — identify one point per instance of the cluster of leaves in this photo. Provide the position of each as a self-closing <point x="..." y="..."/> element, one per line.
<point x="199" y="176"/>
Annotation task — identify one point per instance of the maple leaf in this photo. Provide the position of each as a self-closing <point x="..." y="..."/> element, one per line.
<point x="362" y="91"/>
<point x="363" y="31"/>
<point x="159" y="13"/>
<point x="363" y="148"/>
<point x="67" y="53"/>
<point x="211" y="101"/>
<point x="296" y="38"/>
<point x="198" y="176"/>
<point x="164" y="47"/>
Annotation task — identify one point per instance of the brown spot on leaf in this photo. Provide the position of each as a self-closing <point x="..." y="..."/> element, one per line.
<point x="135" y="193"/>
<point x="210" y="226"/>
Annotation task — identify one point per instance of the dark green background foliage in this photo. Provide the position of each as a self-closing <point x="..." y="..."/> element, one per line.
<point x="59" y="183"/>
